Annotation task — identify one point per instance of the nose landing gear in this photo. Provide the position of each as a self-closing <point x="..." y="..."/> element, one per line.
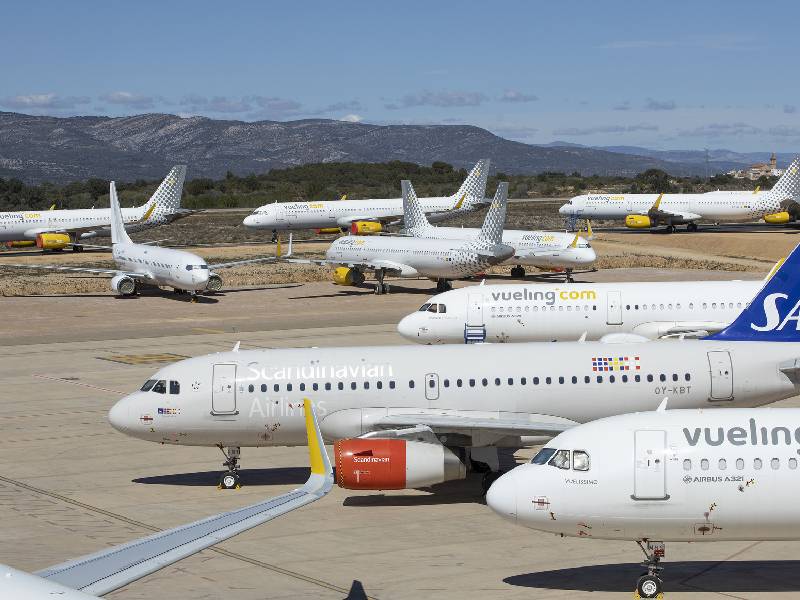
<point x="230" y="479"/>
<point x="650" y="584"/>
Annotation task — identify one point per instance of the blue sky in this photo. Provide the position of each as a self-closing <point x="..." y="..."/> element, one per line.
<point x="669" y="75"/>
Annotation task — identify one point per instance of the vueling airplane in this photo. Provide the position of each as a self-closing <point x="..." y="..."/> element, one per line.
<point x="542" y="249"/>
<point x="401" y="256"/>
<point x="644" y="211"/>
<point x="411" y="416"/>
<point x="371" y="215"/>
<point x="551" y="312"/>
<point x="146" y="264"/>
<point x="663" y="476"/>
<point x="57" y="229"/>
<point x="101" y="573"/>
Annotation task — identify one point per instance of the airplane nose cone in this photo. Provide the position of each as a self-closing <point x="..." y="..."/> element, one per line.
<point x="408" y="327"/>
<point x="589" y="256"/>
<point x="250" y="221"/>
<point x="565" y="209"/>
<point x="119" y="416"/>
<point x="502" y="497"/>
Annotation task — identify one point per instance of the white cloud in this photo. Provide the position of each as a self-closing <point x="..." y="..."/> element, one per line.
<point x="517" y="96"/>
<point x="129" y="99"/>
<point x="43" y="102"/>
<point x="352" y="118"/>
<point x="440" y="99"/>
<point x="614" y="129"/>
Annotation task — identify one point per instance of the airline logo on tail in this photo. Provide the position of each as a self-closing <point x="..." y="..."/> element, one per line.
<point x="772" y="316"/>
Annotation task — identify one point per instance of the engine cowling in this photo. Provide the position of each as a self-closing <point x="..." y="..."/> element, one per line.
<point x="365" y="227"/>
<point x="214" y="283"/>
<point x="52" y="241"/>
<point x="638" y="221"/>
<point x="328" y="230"/>
<point x="20" y="244"/>
<point x="778" y="218"/>
<point x="394" y="464"/>
<point x="122" y="284"/>
<point x="347" y="276"/>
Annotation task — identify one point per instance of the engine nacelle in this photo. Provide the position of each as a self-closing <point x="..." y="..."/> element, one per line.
<point x="52" y="241"/>
<point x="365" y="227"/>
<point x="778" y="218"/>
<point x="20" y="244"/>
<point x="638" y="222"/>
<point x="394" y="464"/>
<point x="328" y="230"/>
<point x="122" y="284"/>
<point x="347" y="276"/>
<point x="214" y="283"/>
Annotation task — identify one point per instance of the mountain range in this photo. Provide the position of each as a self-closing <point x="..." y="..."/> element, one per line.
<point x="36" y="149"/>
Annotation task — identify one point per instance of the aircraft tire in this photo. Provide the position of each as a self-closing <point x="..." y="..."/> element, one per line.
<point x="670" y="228"/>
<point x="691" y="227"/>
<point x="649" y="586"/>
<point x="229" y="481"/>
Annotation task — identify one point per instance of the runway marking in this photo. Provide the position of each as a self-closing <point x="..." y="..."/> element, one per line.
<point x="207" y="330"/>
<point x="80" y="383"/>
<point x="143" y="359"/>
<point x="227" y="553"/>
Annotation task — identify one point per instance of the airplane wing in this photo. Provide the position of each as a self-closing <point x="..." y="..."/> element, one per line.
<point x="685" y="329"/>
<point x="535" y="425"/>
<point x="238" y="263"/>
<point x="108" y="570"/>
<point x="391" y="268"/>
<point x="97" y="271"/>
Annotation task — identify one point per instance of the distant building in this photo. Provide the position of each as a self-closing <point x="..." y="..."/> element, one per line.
<point x="759" y="170"/>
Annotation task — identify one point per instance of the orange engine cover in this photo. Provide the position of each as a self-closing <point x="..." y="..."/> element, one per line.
<point x="371" y="464"/>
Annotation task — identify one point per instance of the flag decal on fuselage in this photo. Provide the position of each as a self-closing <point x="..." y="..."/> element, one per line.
<point x="615" y="363"/>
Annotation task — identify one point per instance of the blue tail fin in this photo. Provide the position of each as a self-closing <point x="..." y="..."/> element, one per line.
<point x="774" y="314"/>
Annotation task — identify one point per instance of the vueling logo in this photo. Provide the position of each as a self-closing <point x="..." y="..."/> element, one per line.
<point x="773" y="315"/>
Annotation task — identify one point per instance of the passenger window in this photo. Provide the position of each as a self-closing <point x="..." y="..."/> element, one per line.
<point x="251" y="388"/>
<point x="535" y="381"/>
<point x="674" y="377"/>
<point x="411" y="384"/>
<point x="775" y="463"/>
<point x="328" y="386"/>
<point x="471" y="383"/>
<point x="353" y="385"/>
<point x="574" y="379"/>
<point x="315" y="386"/>
<point x="687" y="377"/>
<point x="484" y="382"/>
<point x="704" y="464"/>
<point x="523" y="381"/>
<point x="580" y="460"/>
<point x="624" y="379"/>
<point x="431" y="384"/>
<point x="161" y="387"/>
<point x="561" y="459"/>
<point x="446" y="383"/>
<point x="586" y="379"/>
<point x="174" y="387"/>
<point x="543" y="456"/>
<point x="637" y="378"/>
<point x="649" y="378"/>
<point x="548" y="380"/>
<point x="459" y="383"/>
<point x="148" y="385"/>
<point x="757" y="463"/>
<point x="289" y="387"/>
<point x="497" y="381"/>
<point x="599" y="379"/>
<point x="611" y="379"/>
<point x="561" y="380"/>
<point x="687" y="464"/>
<point x="302" y="387"/>
<point x="378" y="384"/>
<point x="739" y="464"/>
<point x="510" y="381"/>
<point x="662" y="377"/>
<point x="391" y="385"/>
<point x="723" y="464"/>
<point x="792" y="463"/>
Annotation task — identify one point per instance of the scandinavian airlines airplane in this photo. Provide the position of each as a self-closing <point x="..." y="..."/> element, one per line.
<point x="57" y="229"/>
<point x="552" y="312"/>
<point x="664" y="476"/>
<point x="542" y="249"/>
<point x="439" y="259"/>
<point x="412" y="416"/>
<point x="101" y="573"/>
<point x="643" y="211"/>
<point x="145" y="264"/>
<point x="369" y="216"/>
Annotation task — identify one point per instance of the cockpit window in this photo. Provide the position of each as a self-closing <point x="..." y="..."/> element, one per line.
<point x="584" y="245"/>
<point x="580" y="460"/>
<point x="148" y="385"/>
<point x="160" y="387"/>
<point x="174" y="387"/>
<point x="560" y="459"/>
<point x="424" y="307"/>
<point x="543" y="456"/>
<point x="442" y="308"/>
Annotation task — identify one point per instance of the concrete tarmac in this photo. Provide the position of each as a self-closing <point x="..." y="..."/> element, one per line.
<point x="70" y="484"/>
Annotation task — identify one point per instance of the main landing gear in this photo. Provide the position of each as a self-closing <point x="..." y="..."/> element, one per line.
<point x="650" y="584"/>
<point x="77" y="248"/>
<point x="518" y="272"/>
<point x="230" y="479"/>
<point x="274" y="236"/>
<point x="691" y="227"/>
<point x="443" y="285"/>
<point x="381" y="287"/>
<point x="568" y="276"/>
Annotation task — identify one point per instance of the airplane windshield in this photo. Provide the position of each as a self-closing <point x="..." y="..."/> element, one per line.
<point x="560" y="459"/>
<point x="196" y="267"/>
<point x="148" y="384"/>
<point x="160" y="387"/>
<point x="543" y="456"/>
<point x="424" y="307"/>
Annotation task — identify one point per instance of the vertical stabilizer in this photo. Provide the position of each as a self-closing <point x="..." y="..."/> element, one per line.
<point x="787" y="188"/>
<point x="414" y="219"/>
<point x="118" y="233"/>
<point x="473" y="190"/>
<point x="167" y="198"/>
<point x="492" y="230"/>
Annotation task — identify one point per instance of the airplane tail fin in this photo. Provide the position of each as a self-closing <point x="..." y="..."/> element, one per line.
<point x="787" y="188"/>
<point x="473" y="190"/>
<point x="492" y="230"/>
<point x="413" y="216"/>
<point x="774" y="314"/>
<point x="118" y="233"/>
<point x="167" y="198"/>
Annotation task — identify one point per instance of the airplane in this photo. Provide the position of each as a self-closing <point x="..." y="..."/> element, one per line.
<point x="101" y="573"/>
<point x="411" y="416"/>
<point x="552" y="312"/>
<point x="663" y="476"/>
<point x="439" y="259"/>
<point x="146" y="264"/>
<point x="371" y="215"/>
<point x="647" y="211"/>
<point x="58" y="229"/>
<point x="543" y="249"/>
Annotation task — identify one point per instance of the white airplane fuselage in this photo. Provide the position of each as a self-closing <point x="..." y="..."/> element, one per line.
<point x="557" y="312"/>
<point x="164" y="266"/>
<point x="676" y="475"/>
<point x="252" y="398"/>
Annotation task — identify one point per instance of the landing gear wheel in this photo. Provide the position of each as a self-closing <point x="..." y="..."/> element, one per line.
<point x="381" y="288"/>
<point x="77" y="248"/>
<point x="649" y="586"/>
<point x="670" y="228"/>
<point x="568" y="276"/>
<point x="229" y="481"/>
<point x="518" y="272"/>
<point x="692" y="227"/>
<point x="274" y="236"/>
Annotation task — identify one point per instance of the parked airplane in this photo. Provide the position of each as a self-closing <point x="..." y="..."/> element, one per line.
<point x="105" y="571"/>
<point x="402" y="256"/>
<point x="371" y="215"/>
<point x="643" y="211"/>
<point x="542" y="249"/>
<point x="552" y="312"/>
<point x="664" y="476"/>
<point x="57" y="229"/>
<point x="412" y="416"/>
<point x="146" y="264"/>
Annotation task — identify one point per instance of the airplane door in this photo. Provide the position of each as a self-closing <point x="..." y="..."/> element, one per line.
<point x="650" y="465"/>
<point x="432" y="386"/>
<point x="475" y="310"/>
<point x="614" y="309"/>
<point x="223" y="393"/>
<point x="719" y="364"/>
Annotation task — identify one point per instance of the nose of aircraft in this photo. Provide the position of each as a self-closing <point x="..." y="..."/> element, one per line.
<point x="119" y="415"/>
<point x="250" y="221"/>
<point x="502" y="496"/>
<point x="408" y="326"/>
<point x="588" y="256"/>
<point x="565" y="209"/>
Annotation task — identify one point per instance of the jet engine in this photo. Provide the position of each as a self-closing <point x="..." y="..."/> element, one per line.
<point x="122" y="284"/>
<point x="214" y="283"/>
<point x="365" y="227"/>
<point x="20" y="244"/>
<point x="347" y="276"/>
<point x="52" y="241"/>
<point x="394" y="464"/>
<point x="778" y="218"/>
<point x="328" y="230"/>
<point x="638" y="222"/>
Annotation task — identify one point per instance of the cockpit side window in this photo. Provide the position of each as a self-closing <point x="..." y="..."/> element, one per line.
<point x="580" y="460"/>
<point x="543" y="456"/>
<point x="560" y="459"/>
<point x="442" y="308"/>
<point x="433" y="308"/>
<point x="424" y="307"/>
<point x="174" y="387"/>
<point x="160" y="387"/>
<point x="148" y="385"/>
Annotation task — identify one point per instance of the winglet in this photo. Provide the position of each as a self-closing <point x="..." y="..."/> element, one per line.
<point x="663" y="406"/>
<point x="317" y="455"/>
